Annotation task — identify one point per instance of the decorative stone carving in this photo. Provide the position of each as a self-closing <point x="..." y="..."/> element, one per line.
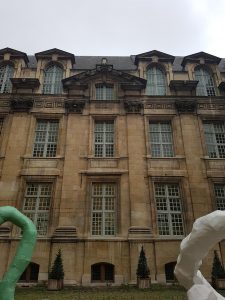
<point x="186" y="106"/>
<point x="74" y="106"/>
<point x="133" y="106"/>
<point x="21" y="105"/>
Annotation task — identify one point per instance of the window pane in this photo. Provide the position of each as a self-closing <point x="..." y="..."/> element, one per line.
<point x="37" y="205"/>
<point x="220" y="196"/>
<point x="205" y="85"/>
<point x="161" y="139"/>
<point x="46" y="136"/>
<point x="53" y="76"/>
<point x="169" y="210"/>
<point x="103" y="208"/>
<point x="104" y="139"/>
<point x="6" y="72"/>
<point x="215" y="139"/>
<point x="156" y="84"/>
<point x="104" y="92"/>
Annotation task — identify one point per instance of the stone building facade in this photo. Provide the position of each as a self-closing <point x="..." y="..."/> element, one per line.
<point x="106" y="154"/>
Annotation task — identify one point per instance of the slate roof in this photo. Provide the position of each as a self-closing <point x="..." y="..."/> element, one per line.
<point x="125" y="63"/>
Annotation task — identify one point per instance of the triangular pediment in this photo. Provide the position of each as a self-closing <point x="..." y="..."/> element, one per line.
<point x="162" y="57"/>
<point x="61" y="54"/>
<point x="196" y="57"/>
<point x="13" y="54"/>
<point x="125" y="79"/>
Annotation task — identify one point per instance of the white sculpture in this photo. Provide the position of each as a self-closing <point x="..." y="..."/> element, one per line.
<point x="206" y="232"/>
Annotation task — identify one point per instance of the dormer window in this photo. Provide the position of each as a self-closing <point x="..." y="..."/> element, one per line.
<point x="156" y="83"/>
<point x="53" y="76"/>
<point x="205" y="85"/>
<point x="6" y="72"/>
<point x="104" y="91"/>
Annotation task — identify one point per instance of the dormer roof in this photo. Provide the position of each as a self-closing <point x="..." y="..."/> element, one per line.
<point x="127" y="81"/>
<point x="14" y="54"/>
<point x="61" y="54"/>
<point x="195" y="58"/>
<point x="162" y="57"/>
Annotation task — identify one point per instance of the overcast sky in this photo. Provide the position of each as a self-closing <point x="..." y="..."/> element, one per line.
<point x="114" y="27"/>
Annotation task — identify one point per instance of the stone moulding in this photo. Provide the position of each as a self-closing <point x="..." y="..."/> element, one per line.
<point x="4" y="231"/>
<point x="134" y="106"/>
<point x="74" y="106"/>
<point x="21" y="105"/>
<point x="136" y="232"/>
<point x="65" y="234"/>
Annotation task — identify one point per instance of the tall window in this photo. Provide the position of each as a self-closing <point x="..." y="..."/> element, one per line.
<point x="161" y="139"/>
<point x="169" y="210"/>
<point x="104" y="139"/>
<point x="6" y="72"/>
<point x="104" y="91"/>
<point x="46" y="136"/>
<point x="53" y="76"/>
<point x="156" y="83"/>
<point x="37" y="205"/>
<point x="215" y="139"/>
<point x="205" y="85"/>
<point x="103" y="209"/>
<point x="219" y="190"/>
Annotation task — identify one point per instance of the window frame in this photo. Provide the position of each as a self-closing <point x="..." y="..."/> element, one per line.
<point x="161" y="143"/>
<point x="169" y="212"/>
<point x="36" y="211"/>
<point x="216" y="206"/>
<point x="103" y="95"/>
<point x="201" y="89"/>
<point x="104" y="132"/>
<point x="103" y="211"/>
<point x="215" y="145"/>
<point x="46" y="142"/>
<point x="6" y="85"/>
<point x="154" y="82"/>
<point x="55" y="84"/>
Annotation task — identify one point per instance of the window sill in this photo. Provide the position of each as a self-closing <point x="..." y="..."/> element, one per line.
<point x="169" y="238"/>
<point x="212" y="158"/>
<point x="42" y="158"/>
<point x="165" y="158"/>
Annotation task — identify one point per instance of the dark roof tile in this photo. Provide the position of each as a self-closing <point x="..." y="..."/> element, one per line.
<point x="125" y="63"/>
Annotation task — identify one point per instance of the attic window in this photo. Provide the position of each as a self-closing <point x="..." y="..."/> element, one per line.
<point x="104" y="91"/>
<point x="6" y="72"/>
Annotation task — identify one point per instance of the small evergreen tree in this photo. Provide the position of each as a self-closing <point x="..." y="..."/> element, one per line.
<point x="142" y="269"/>
<point x="57" y="271"/>
<point x="217" y="269"/>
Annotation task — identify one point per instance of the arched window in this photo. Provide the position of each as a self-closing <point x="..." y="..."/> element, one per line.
<point x="53" y="76"/>
<point x="169" y="271"/>
<point x="156" y="83"/>
<point x="205" y="85"/>
<point x="6" y="72"/>
<point x="102" y="272"/>
<point x="30" y="274"/>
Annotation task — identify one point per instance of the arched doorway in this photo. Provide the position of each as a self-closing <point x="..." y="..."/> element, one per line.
<point x="30" y="274"/>
<point x="169" y="271"/>
<point x="102" y="272"/>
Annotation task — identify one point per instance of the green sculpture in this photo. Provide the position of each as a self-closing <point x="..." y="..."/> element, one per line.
<point x="23" y="253"/>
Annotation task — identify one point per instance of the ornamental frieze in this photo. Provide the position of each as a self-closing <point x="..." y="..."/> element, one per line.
<point x="21" y="105"/>
<point x="186" y="106"/>
<point x="133" y="106"/>
<point x="74" y="106"/>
